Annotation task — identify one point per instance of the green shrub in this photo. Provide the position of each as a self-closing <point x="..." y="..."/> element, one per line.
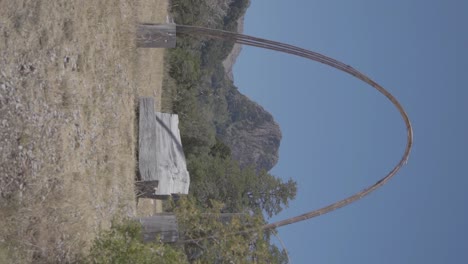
<point x="123" y="244"/>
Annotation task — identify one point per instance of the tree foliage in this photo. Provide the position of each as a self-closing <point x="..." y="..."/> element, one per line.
<point x="207" y="103"/>
<point x="213" y="237"/>
<point x="207" y="13"/>
<point x="123" y="244"/>
<point x="269" y="193"/>
<point x="218" y="178"/>
<point x="206" y="236"/>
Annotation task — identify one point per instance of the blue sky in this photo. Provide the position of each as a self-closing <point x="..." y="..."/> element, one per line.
<point x="339" y="135"/>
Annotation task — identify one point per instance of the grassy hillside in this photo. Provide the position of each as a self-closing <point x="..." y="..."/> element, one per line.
<point x="69" y="80"/>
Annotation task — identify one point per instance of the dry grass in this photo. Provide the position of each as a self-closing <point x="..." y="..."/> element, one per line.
<point x="70" y="77"/>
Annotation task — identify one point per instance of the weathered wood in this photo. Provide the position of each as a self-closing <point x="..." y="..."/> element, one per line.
<point x="156" y="36"/>
<point x="147" y="139"/>
<point x="163" y="226"/>
<point x="147" y="189"/>
<point x="161" y="157"/>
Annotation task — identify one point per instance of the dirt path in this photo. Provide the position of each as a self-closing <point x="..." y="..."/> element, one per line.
<point x="69" y="80"/>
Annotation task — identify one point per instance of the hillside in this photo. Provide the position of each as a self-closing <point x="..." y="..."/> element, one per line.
<point x="70" y="75"/>
<point x="252" y="134"/>
<point x="210" y="105"/>
<point x="230" y="60"/>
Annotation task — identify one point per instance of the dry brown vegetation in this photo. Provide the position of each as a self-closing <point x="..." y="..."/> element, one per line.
<point x="70" y="77"/>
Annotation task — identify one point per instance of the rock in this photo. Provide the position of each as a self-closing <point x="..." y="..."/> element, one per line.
<point x="253" y="135"/>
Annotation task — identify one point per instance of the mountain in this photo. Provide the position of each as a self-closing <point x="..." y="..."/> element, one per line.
<point x="230" y="60"/>
<point x="252" y="133"/>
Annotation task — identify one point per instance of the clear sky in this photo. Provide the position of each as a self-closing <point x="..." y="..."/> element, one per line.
<point x="340" y="135"/>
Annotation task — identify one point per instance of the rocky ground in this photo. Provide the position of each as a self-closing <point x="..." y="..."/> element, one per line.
<point x="70" y="77"/>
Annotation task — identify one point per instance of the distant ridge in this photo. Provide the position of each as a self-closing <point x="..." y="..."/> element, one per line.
<point x="231" y="59"/>
<point x="253" y="135"/>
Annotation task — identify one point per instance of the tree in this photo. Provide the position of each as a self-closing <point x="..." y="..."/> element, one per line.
<point x="220" y="149"/>
<point x="211" y="237"/>
<point x="216" y="10"/>
<point x="207" y="13"/>
<point x="216" y="178"/>
<point x="222" y="179"/>
<point x="269" y="193"/>
<point x="123" y="244"/>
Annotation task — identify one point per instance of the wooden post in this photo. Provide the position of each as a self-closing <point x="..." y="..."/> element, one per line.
<point x="156" y="36"/>
<point x="163" y="226"/>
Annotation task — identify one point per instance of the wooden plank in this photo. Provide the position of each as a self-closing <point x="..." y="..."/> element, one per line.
<point x="147" y="140"/>
<point x="156" y="36"/>
<point x="162" y="225"/>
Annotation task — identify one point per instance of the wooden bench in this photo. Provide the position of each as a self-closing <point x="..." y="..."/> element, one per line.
<point x="161" y="160"/>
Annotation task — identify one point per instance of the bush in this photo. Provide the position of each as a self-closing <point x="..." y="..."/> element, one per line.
<point x="123" y="244"/>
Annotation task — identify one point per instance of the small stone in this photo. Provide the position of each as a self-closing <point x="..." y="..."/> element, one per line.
<point x="20" y="147"/>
